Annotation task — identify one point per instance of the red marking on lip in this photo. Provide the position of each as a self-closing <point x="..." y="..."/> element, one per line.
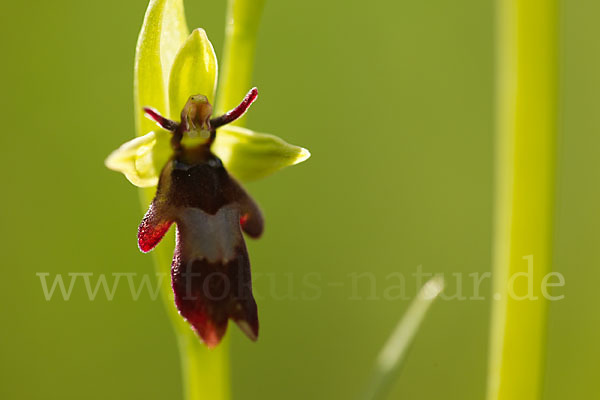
<point x="150" y="235"/>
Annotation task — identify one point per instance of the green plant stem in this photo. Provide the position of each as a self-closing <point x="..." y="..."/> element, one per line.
<point x="526" y="134"/>
<point x="207" y="373"/>
<point x="235" y="76"/>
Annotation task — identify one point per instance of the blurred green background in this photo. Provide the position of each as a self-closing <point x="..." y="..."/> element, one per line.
<point x="395" y="102"/>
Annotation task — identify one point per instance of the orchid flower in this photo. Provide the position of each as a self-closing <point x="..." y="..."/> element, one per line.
<point x="196" y="160"/>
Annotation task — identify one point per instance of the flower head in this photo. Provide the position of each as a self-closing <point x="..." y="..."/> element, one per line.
<point x="247" y="155"/>
<point x="196" y="162"/>
<point x="211" y="270"/>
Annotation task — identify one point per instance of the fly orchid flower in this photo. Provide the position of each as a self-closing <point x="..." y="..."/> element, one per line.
<point x="210" y="273"/>
<point x="196" y="164"/>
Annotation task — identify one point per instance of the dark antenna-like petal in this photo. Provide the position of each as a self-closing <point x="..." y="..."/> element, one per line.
<point x="237" y="112"/>
<point x="163" y="122"/>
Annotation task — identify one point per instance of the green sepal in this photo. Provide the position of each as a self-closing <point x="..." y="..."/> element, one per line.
<point x="163" y="32"/>
<point x="249" y="155"/>
<point x="194" y="72"/>
<point x="141" y="159"/>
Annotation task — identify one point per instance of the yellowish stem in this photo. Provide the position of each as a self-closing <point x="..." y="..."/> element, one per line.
<point x="235" y="76"/>
<point x="526" y="139"/>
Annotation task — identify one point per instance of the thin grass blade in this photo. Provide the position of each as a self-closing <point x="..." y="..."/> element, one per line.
<point x="393" y="354"/>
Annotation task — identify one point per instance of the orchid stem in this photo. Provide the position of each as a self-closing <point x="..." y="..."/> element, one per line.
<point x="526" y="141"/>
<point x="235" y="77"/>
